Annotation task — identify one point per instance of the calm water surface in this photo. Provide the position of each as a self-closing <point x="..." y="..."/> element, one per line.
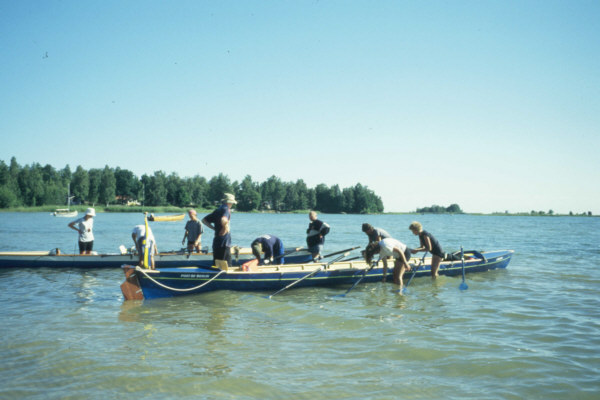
<point x="531" y="331"/>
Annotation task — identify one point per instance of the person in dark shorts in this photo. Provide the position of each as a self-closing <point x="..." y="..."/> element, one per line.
<point x="193" y="233"/>
<point x="84" y="226"/>
<point x="315" y="235"/>
<point x="430" y="244"/>
<point x="218" y="221"/>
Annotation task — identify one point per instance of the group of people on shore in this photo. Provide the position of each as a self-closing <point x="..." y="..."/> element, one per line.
<point x="269" y="247"/>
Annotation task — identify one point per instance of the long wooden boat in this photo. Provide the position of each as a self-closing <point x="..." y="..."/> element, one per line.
<point x="56" y="259"/>
<point x="168" y="282"/>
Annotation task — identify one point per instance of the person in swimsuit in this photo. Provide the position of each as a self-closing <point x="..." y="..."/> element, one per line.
<point x="430" y="244"/>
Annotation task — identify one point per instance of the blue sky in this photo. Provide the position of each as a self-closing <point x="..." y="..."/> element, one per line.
<point x="493" y="105"/>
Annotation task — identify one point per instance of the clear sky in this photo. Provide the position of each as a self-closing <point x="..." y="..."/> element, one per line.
<point x="493" y="105"/>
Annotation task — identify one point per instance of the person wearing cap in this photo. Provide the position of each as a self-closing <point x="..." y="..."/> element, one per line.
<point x="315" y="235"/>
<point x="390" y="247"/>
<point x="193" y="232"/>
<point x="218" y="221"/>
<point x="271" y="246"/>
<point x="84" y="226"/>
<point x="375" y="234"/>
<point x="430" y="244"/>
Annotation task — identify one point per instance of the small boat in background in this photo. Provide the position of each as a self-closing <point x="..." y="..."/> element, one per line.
<point x="143" y="283"/>
<point x="163" y="218"/>
<point x="66" y="212"/>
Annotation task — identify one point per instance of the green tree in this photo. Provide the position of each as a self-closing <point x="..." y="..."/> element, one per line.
<point x="66" y="175"/>
<point x="31" y="184"/>
<point x="323" y="198"/>
<point x="94" y="178"/>
<point x="348" y="195"/>
<point x="273" y="192"/>
<point x="303" y="196"/>
<point x="80" y="184"/>
<point x="156" y="190"/>
<point x="127" y="184"/>
<point x="55" y="193"/>
<point x="198" y="189"/>
<point x="217" y="187"/>
<point x="108" y="185"/>
<point x="7" y="197"/>
<point x="247" y="195"/>
<point x="178" y="192"/>
<point x="49" y="174"/>
<point x="454" y="208"/>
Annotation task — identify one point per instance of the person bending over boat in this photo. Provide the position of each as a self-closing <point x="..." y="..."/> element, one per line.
<point x="271" y="246"/>
<point x="375" y="234"/>
<point x="218" y="221"/>
<point x="193" y="233"/>
<point x="315" y="238"/>
<point x="430" y="244"/>
<point x="84" y="227"/>
<point x="390" y="247"/>
<point x="138" y="235"/>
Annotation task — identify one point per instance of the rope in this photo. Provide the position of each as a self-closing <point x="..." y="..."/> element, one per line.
<point x="175" y="289"/>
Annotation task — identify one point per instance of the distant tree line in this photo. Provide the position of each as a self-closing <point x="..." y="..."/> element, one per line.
<point x="36" y="185"/>
<point x="452" y="209"/>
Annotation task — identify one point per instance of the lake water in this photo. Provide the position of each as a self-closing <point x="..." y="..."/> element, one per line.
<point x="531" y="331"/>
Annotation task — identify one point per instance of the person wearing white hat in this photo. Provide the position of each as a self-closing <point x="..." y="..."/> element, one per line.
<point x="218" y="221"/>
<point x="84" y="227"/>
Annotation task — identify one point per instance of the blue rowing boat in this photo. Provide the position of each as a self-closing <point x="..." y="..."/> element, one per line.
<point x="143" y="283"/>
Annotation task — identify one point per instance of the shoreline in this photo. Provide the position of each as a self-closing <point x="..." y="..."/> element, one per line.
<point x="179" y="210"/>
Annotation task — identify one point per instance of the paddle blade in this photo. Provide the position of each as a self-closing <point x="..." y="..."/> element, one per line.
<point x="463" y="286"/>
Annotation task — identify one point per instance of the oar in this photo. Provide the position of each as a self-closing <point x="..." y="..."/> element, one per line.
<point x="463" y="285"/>
<point x="414" y="272"/>
<point x="341" y="251"/>
<point x="373" y="264"/>
<point x="323" y="266"/>
<point x="287" y="253"/>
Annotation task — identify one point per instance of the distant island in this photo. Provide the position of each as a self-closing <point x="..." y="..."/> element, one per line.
<point x="35" y="186"/>
<point x="455" y="209"/>
<point x="435" y="209"/>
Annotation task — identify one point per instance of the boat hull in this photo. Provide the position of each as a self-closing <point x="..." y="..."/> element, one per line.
<point x="40" y="259"/>
<point x="170" y="282"/>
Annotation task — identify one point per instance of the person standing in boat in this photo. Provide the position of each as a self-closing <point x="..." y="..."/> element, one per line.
<point x="375" y="234"/>
<point x="138" y="235"/>
<point x="315" y="238"/>
<point x="193" y="233"/>
<point x="84" y="226"/>
<point x="218" y="221"/>
<point x="271" y="246"/>
<point x="430" y="244"/>
<point x="390" y="247"/>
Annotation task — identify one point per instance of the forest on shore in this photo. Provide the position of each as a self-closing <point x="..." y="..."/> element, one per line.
<point x="36" y="185"/>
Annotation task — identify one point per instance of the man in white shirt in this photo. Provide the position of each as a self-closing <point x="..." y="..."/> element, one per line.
<point x="138" y="235"/>
<point x="390" y="247"/>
